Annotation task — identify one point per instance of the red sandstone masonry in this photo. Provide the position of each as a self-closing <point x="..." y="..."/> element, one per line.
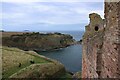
<point x="101" y="44"/>
<point x="119" y="41"/>
<point x="111" y="41"/>
<point x="92" y="47"/>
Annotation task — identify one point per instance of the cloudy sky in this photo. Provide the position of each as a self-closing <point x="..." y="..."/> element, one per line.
<point x="48" y="15"/>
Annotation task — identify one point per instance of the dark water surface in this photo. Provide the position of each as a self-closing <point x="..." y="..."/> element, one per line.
<point x="71" y="56"/>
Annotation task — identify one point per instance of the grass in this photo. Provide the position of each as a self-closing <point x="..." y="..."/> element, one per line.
<point x="8" y="34"/>
<point x="45" y="70"/>
<point x="66" y="76"/>
<point x="12" y="58"/>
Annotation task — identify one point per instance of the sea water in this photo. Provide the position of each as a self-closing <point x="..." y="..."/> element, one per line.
<point x="70" y="57"/>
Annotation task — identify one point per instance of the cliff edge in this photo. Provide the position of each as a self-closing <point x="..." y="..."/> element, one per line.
<point x="37" y="41"/>
<point x="20" y="64"/>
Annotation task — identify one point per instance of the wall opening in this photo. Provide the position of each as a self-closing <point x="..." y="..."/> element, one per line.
<point x="107" y="76"/>
<point x="96" y="28"/>
<point x="99" y="60"/>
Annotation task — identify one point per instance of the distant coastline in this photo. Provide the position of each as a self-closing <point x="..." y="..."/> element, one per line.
<point x="37" y="41"/>
<point x="66" y="40"/>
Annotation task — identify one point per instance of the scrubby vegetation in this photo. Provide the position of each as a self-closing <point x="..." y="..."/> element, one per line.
<point x="37" y="41"/>
<point x="23" y="64"/>
<point x="77" y="75"/>
<point x="14" y="59"/>
<point x="28" y="64"/>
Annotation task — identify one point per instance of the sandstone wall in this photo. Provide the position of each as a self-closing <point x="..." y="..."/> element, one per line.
<point x="101" y="44"/>
<point x="92" y="44"/>
<point x="111" y="45"/>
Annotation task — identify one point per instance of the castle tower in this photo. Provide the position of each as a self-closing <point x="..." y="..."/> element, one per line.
<point x="111" y="43"/>
<point x="101" y="44"/>
<point x="92" y="44"/>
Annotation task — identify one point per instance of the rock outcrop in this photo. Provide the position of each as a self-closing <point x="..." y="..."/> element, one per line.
<point x="77" y="75"/>
<point x="38" y="41"/>
<point x="101" y="44"/>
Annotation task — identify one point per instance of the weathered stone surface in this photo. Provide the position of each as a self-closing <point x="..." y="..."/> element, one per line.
<point x="111" y="41"/>
<point x="101" y="44"/>
<point x="92" y="47"/>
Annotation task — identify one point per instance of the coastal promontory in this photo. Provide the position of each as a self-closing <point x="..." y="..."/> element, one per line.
<point x="37" y="41"/>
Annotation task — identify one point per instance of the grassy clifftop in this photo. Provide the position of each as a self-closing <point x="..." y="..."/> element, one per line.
<point x="17" y="63"/>
<point x="36" y="41"/>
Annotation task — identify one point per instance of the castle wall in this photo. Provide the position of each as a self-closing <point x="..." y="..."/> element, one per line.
<point x="101" y="44"/>
<point x="111" y="43"/>
<point x="92" y="44"/>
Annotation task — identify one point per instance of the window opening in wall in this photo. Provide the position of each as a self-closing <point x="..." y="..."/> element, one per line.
<point x="96" y="28"/>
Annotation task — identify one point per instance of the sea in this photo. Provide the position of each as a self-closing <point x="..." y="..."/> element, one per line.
<point x="70" y="57"/>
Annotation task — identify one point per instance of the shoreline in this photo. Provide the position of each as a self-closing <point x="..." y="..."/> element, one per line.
<point x="51" y="54"/>
<point x="76" y="43"/>
<point x="50" y="59"/>
<point x="47" y="50"/>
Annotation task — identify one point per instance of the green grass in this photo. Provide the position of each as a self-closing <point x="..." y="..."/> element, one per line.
<point x="12" y="57"/>
<point x="15" y="69"/>
<point x="66" y="76"/>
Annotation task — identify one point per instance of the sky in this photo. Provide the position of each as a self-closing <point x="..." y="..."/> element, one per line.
<point x="47" y="16"/>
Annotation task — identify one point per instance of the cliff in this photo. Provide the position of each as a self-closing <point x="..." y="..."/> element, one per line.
<point x="37" y="41"/>
<point x="17" y="63"/>
<point x="101" y="44"/>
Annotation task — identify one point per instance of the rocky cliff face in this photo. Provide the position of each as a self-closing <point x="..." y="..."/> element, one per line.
<point x="38" y="41"/>
<point x="101" y="44"/>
